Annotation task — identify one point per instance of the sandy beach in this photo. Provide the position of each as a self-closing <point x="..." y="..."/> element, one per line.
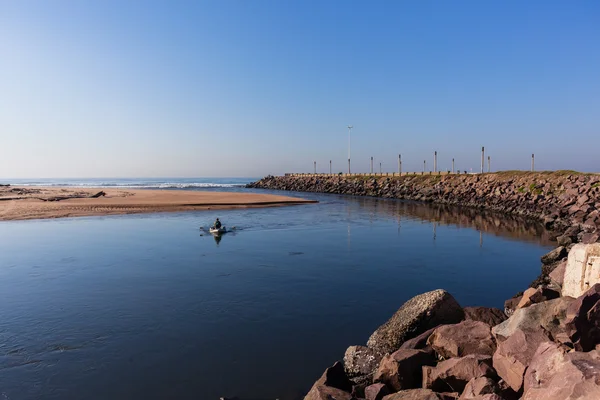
<point x="19" y="203"/>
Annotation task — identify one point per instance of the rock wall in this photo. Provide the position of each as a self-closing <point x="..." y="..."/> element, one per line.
<point x="560" y="199"/>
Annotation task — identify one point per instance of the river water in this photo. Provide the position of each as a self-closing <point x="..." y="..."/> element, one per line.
<point x="150" y="307"/>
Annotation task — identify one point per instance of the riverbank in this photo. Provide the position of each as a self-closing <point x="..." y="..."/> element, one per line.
<point x="20" y="203"/>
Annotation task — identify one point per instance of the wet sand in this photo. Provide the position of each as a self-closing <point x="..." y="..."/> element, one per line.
<point x="18" y="203"/>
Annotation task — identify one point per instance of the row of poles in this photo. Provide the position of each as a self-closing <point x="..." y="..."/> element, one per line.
<point x="435" y="170"/>
<point x="424" y="161"/>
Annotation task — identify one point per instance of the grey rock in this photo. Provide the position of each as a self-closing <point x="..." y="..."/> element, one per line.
<point x="416" y="316"/>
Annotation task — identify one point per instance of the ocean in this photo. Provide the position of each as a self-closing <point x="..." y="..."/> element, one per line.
<point x="149" y="306"/>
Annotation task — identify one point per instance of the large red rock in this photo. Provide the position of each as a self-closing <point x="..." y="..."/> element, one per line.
<point x="491" y="316"/>
<point x="332" y="385"/>
<point x="537" y="295"/>
<point x="478" y="387"/>
<point x="376" y="391"/>
<point x="416" y="316"/>
<point x="454" y="374"/>
<point x="554" y="374"/>
<point x="514" y="355"/>
<point x="548" y="315"/>
<point x="418" y="394"/>
<point x="557" y="276"/>
<point x="419" y="342"/>
<point x="462" y="339"/>
<point x="583" y="320"/>
<point x="403" y="369"/>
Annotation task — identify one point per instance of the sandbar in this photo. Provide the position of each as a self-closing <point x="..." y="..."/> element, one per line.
<point x="23" y="203"/>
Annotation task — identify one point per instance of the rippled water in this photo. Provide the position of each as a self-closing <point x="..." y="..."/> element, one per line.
<point x="147" y="307"/>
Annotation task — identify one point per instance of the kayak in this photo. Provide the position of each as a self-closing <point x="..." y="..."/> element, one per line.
<point x="218" y="231"/>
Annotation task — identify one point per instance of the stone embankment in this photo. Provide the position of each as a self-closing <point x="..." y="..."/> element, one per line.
<point x="544" y="345"/>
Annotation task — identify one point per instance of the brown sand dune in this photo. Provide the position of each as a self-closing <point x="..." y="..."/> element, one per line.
<point x="18" y="203"/>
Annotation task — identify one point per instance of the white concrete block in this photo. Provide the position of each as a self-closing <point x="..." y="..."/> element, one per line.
<point x="583" y="269"/>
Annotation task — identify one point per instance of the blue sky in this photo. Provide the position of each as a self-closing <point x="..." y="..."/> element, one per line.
<point x="248" y="88"/>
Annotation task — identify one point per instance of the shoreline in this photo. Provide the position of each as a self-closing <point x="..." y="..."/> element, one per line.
<point x="27" y="203"/>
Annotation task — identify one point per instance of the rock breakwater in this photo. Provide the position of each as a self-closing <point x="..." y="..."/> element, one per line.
<point x="560" y="199"/>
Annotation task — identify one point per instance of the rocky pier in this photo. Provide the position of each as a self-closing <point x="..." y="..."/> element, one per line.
<point x="544" y="344"/>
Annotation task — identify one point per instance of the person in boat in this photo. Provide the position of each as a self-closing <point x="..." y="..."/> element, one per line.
<point x="217" y="224"/>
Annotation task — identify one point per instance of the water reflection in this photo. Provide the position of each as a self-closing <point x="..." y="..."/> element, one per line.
<point x="511" y="227"/>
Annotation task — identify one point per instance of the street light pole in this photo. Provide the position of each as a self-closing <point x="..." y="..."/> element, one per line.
<point x="349" y="128"/>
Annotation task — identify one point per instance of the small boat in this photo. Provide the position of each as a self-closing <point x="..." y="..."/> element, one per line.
<point x="217" y="231"/>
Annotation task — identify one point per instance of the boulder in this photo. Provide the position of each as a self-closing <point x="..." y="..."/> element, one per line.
<point x="462" y="339"/>
<point x="478" y="387"/>
<point x="403" y="369"/>
<point x="360" y="360"/>
<point x="416" y="316"/>
<point x="491" y="316"/>
<point x="419" y="342"/>
<point x="590" y="237"/>
<point x="332" y="385"/>
<point x="548" y="315"/>
<point x="557" y="276"/>
<point x="537" y="295"/>
<point x="564" y="240"/>
<point x="514" y="355"/>
<point x="582" y="320"/>
<point x="555" y="374"/>
<point x="455" y="373"/>
<point x="582" y="270"/>
<point x="376" y="391"/>
<point x="418" y="394"/>
<point x="555" y="255"/>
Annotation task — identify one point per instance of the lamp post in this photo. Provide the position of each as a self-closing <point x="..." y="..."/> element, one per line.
<point x="349" y="128"/>
<point x="482" y="157"/>
<point x="399" y="164"/>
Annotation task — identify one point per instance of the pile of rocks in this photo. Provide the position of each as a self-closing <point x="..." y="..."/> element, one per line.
<point x="432" y="348"/>
<point x="560" y="199"/>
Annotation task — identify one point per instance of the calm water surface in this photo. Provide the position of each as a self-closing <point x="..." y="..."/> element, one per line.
<point x="147" y="307"/>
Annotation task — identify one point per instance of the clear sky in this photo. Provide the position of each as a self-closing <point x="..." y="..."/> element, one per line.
<point x="247" y="88"/>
